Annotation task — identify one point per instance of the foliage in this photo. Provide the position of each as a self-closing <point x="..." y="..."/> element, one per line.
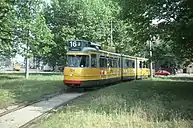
<point x="7" y="45"/>
<point x="15" y="90"/>
<point x="174" y="25"/>
<point x="32" y="33"/>
<point x="124" y="24"/>
<point x="83" y="20"/>
<point x="23" y="29"/>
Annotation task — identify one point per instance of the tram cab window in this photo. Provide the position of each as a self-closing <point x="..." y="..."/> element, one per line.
<point x="93" y="60"/>
<point x="78" y="61"/>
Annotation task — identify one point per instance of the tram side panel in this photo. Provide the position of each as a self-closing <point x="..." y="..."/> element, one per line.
<point x="138" y="69"/>
<point x="110" y="69"/>
<point x="146" y="70"/>
<point x="81" y="76"/>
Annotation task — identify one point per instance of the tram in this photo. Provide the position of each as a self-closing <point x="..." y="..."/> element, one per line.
<point x="88" y="65"/>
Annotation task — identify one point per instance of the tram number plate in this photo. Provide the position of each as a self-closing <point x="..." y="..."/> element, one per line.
<point x="75" y="45"/>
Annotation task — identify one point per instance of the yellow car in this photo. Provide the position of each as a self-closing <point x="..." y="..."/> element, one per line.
<point x="17" y="68"/>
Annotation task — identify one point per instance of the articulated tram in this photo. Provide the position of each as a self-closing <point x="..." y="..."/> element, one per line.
<point x="88" y="65"/>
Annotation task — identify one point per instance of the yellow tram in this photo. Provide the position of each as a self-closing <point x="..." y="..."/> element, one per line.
<point x="88" y="65"/>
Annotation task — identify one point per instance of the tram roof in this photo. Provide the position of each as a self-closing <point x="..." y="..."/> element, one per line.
<point x="90" y="49"/>
<point x="112" y="53"/>
<point x="87" y="46"/>
<point x="128" y="56"/>
<point x="140" y="58"/>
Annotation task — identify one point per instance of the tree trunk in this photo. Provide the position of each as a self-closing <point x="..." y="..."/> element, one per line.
<point x="26" y="67"/>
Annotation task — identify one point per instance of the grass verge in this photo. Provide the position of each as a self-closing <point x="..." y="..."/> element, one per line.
<point x="136" y="104"/>
<point x="14" y="89"/>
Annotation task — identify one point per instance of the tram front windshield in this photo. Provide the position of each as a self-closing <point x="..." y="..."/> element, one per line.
<point x="78" y="61"/>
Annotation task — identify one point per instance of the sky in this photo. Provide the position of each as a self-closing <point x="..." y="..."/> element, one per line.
<point x="47" y="1"/>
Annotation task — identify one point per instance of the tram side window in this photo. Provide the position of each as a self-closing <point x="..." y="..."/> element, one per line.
<point x="115" y="62"/>
<point x="133" y="64"/>
<point x="140" y="64"/>
<point x="144" y="64"/>
<point x="129" y="63"/>
<point x="119" y="61"/>
<point x="147" y="65"/>
<point x="103" y="62"/>
<point x="124" y="63"/>
<point x="110" y="63"/>
<point x="84" y="61"/>
<point x="94" y="60"/>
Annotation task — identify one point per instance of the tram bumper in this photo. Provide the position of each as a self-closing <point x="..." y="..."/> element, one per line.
<point x="72" y="82"/>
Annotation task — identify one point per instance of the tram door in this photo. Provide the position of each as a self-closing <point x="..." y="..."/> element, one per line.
<point x="109" y="67"/>
<point x="139" y="68"/>
<point x="103" y="67"/>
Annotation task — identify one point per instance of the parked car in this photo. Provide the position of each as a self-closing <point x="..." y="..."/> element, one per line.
<point x="162" y="72"/>
<point x="17" y="68"/>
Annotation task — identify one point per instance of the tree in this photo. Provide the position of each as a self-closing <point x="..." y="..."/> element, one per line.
<point x="174" y="26"/>
<point x="7" y="45"/>
<point x="31" y="32"/>
<point x="82" y="20"/>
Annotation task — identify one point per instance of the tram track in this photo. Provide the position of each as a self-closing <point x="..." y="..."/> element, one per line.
<point x="65" y="95"/>
<point x="45" y="97"/>
<point x="30" y="123"/>
<point x="35" y="110"/>
<point x="46" y="114"/>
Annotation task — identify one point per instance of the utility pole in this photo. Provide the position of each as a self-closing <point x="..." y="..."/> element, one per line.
<point x="111" y="33"/>
<point x="150" y="53"/>
<point x="27" y="50"/>
<point x="27" y="63"/>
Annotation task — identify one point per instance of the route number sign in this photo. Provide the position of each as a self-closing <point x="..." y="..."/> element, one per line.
<point x="75" y="45"/>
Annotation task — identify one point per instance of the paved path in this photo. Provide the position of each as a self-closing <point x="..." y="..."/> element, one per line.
<point x="20" y="117"/>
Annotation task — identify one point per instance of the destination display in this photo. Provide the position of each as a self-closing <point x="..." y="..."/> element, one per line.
<point x="78" y="45"/>
<point x="75" y="45"/>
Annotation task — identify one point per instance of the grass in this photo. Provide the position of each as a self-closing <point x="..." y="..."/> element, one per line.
<point x="136" y="104"/>
<point x="15" y="90"/>
<point x="174" y="78"/>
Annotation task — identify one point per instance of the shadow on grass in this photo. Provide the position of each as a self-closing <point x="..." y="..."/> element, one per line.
<point x="32" y="73"/>
<point x="174" y="78"/>
<point x="5" y="77"/>
<point x="158" y="100"/>
<point x="21" y="91"/>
